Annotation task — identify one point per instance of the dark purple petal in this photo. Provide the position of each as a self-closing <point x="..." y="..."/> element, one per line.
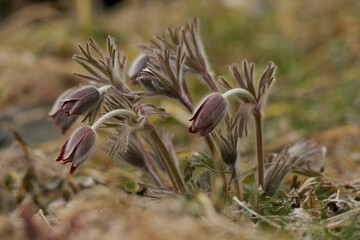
<point x="81" y="101"/>
<point x="57" y="105"/>
<point x="58" y="115"/>
<point x="81" y="92"/>
<point x="74" y="140"/>
<point x="198" y="110"/>
<point x="62" y="120"/>
<point x="78" y="147"/>
<point x="67" y="105"/>
<point x="61" y="156"/>
<point x="72" y="169"/>
<point x="208" y="114"/>
<point x="192" y="128"/>
<point x="86" y="104"/>
<point x="149" y="81"/>
<point x="84" y="148"/>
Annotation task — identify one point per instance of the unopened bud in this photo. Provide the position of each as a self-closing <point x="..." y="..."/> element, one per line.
<point x="208" y="114"/>
<point x="137" y="65"/>
<point x="81" y="101"/>
<point x="78" y="147"/>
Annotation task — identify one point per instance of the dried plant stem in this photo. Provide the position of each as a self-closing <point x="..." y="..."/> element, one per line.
<point x="166" y="159"/>
<point x="259" y="146"/>
<point x="243" y="205"/>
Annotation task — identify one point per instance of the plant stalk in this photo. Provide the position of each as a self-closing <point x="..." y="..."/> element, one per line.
<point x="237" y="185"/>
<point x="187" y="92"/>
<point x="210" y="81"/>
<point x="217" y="159"/>
<point x="107" y="116"/>
<point x="166" y="159"/>
<point x="259" y="146"/>
<point x="149" y="165"/>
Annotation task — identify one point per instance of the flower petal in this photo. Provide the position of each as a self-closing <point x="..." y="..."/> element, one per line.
<point x="84" y="148"/>
<point x="61" y="156"/>
<point x="74" y="141"/>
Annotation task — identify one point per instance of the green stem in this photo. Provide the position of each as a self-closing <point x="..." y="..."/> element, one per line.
<point x="166" y="159"/>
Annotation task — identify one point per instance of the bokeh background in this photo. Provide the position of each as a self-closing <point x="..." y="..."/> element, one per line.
<point x="315" y="44"/>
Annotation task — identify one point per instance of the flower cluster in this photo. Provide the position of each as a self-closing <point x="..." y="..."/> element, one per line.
<point x="161" y="70"/>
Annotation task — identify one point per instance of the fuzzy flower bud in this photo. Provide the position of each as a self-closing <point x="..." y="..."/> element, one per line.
<point x="81" y="101"/>
<point x="78" y="147"/>
<point x="149" y="81"/>
<point x="137" y="65"/>
<point x="58" y="115"/>
<point x="209" y="114"/>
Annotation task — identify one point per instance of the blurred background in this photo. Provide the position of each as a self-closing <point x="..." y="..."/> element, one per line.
<point x="315" y="44"/>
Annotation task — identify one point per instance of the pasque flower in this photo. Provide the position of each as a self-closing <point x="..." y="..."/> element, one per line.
<point x="149" y="81"/>
<point x="81" y="101"/>
<point x="137" y="65"/>
<point x="58" y="115"/>
<point x="78" y="147"/>
<point x="209" y="114"/>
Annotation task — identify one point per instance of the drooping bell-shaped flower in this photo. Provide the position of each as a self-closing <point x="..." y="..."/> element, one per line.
<point x="57" y="114"/>
<point x="209" y="114"/>
<point x="81" y="101"/>
<point x="78" y="147"/>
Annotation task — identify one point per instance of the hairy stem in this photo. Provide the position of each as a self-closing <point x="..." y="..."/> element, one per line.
<point x="210" y="81"/>
<point x="185" y="101"/>
<point x="166" y="159"/>
<point x="103" y="89"/>
<point x="237" y="182"/>
<point x="241" y="91"/>
<point x="217" y="158"/>
<point x="259" y="146"/>
<point x="187" y="92"/>
<point x="117" y="112"/>
<point x="149" y="165"/>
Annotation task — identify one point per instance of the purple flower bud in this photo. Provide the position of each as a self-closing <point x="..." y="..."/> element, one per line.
<point x="78" y="147"/>
<point x="81" y="101"/>
<point x="149" y="81"/>
<point x="137" y="65"/>
<point x="208" y="114"/>
<point x="58" y="115"/>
